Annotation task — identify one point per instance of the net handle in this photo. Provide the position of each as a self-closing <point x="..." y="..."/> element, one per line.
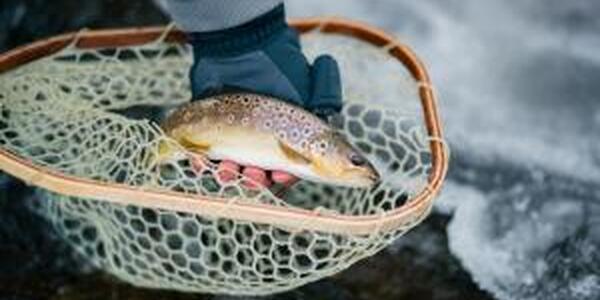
<point x="288" y="217"/>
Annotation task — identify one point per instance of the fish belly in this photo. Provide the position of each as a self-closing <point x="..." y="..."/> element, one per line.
<point x="252" y="148"/>
<point x="256" y="152"/>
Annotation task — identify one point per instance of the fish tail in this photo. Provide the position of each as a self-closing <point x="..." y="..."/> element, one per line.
<point x="166" y="152"/>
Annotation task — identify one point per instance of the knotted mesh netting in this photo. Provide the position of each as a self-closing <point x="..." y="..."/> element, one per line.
<point x="57" y="112"/>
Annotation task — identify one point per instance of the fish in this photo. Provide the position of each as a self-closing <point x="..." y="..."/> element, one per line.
<point x="268" y="133"/>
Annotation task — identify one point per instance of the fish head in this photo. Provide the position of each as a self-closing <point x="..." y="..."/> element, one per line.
<point x="337" y="160"/>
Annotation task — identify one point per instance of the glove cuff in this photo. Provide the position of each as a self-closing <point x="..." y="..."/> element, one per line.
<point x="239" y="39"/>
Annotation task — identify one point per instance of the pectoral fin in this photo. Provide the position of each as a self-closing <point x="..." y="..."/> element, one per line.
<point x="195" y="146"/>
<point x="320" y="169"/>
<point x="293" y="155"/>
<point x="170" y="151"/>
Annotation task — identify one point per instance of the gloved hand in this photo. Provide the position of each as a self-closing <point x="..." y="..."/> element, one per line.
<point x="264" y="56"/>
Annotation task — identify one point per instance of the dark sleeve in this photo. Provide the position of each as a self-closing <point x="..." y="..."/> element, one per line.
<point x="211" y="15"/>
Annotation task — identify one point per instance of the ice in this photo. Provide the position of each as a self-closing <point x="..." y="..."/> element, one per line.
<point x="522" y="246"/>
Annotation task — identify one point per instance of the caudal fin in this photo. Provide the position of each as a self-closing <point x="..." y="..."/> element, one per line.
<point x="167" y="151"/>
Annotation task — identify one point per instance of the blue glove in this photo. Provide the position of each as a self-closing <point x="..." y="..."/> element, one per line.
<point x="264" y="56"/>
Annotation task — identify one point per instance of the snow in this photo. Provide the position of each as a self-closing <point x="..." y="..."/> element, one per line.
<point x="516" y="245"/>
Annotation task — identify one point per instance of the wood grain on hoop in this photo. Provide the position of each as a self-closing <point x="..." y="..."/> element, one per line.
<point x="287" y="217"/>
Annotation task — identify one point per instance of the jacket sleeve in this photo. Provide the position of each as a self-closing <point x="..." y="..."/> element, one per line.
<point x="211" y="15"/>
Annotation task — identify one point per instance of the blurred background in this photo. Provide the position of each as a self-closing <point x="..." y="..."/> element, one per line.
<point x="518" y="85"/>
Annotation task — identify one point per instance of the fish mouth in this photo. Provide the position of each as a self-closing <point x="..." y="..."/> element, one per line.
<point x="374" y="177"/>
<point x="371" y="174"/>
<point x="366" y="183"/>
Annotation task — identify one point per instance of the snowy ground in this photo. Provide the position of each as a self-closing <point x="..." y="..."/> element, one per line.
<point x="518" y="87"/>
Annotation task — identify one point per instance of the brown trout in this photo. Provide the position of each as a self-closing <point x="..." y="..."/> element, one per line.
<point x="270" y="134"/>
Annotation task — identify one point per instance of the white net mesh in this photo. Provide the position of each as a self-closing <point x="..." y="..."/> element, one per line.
<point x="54" y="112"/>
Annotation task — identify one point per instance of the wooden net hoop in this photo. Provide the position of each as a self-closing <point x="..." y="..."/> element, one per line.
<point x="287" y="217"/>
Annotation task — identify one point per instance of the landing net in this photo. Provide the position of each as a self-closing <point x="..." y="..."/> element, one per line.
<point x="56" y="112"/>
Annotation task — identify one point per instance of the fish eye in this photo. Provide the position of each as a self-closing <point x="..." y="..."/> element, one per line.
<point x="357" y="160"/>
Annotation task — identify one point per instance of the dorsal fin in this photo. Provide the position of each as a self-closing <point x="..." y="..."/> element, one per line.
<point x="293" y="155"/>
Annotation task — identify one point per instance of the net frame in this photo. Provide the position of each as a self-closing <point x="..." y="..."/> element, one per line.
<point x="296" y="219"/>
